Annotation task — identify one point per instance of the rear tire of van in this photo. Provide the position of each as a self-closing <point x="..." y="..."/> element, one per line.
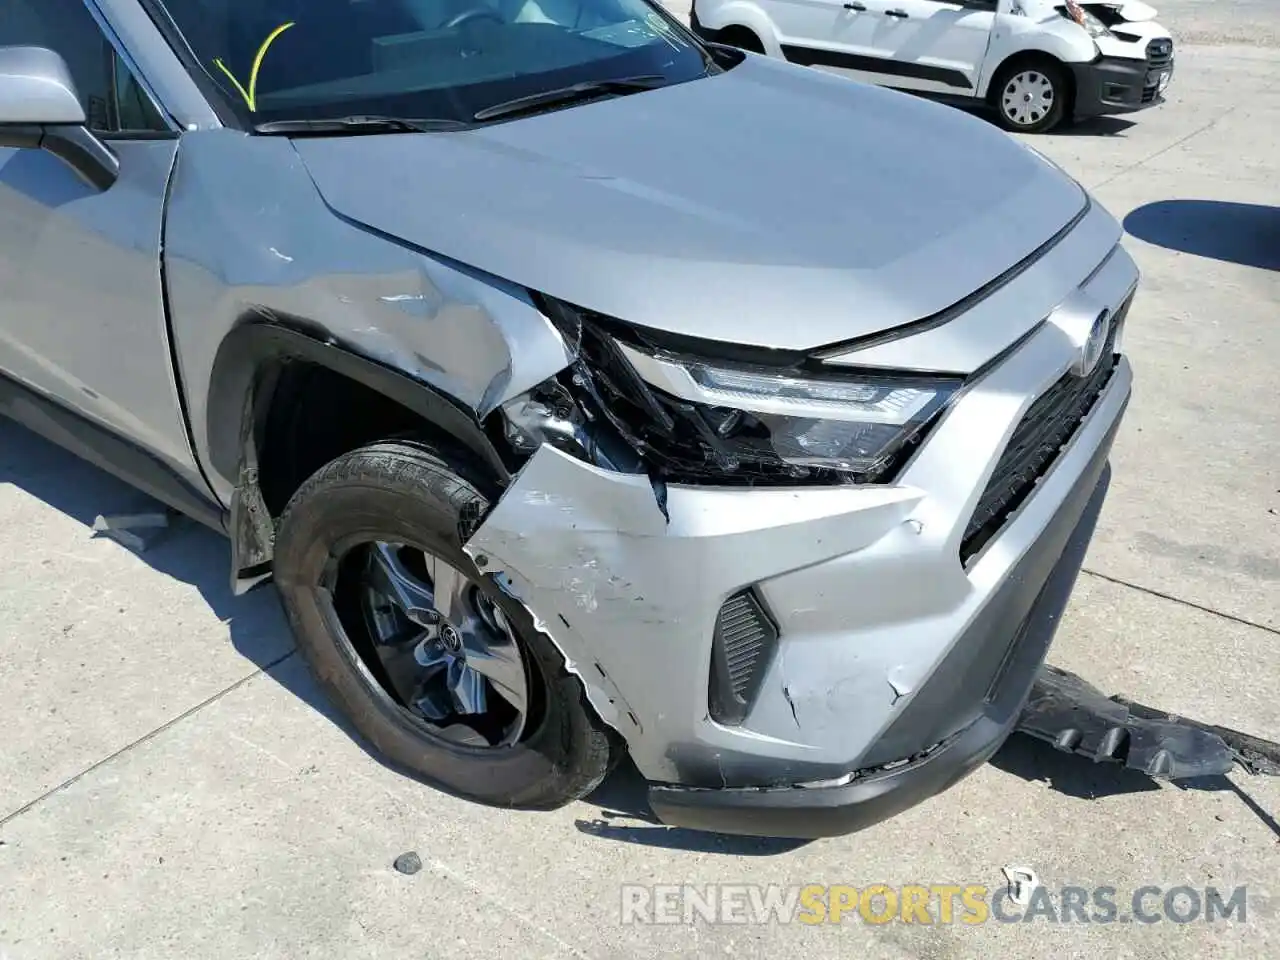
<point x="434" y="664"/>
<point x="1031" y="94"/>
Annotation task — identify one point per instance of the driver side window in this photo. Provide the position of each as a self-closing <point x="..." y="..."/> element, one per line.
<point x="114" y="102"/>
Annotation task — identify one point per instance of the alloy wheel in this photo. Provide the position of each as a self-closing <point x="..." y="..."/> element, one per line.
<point x="440" y="647"/>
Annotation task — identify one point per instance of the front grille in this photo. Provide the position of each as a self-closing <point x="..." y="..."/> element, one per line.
<point x="742" y="646"/>
<point x="1159" y="53"/>
<point x="1039" y="437"/>
<point x="1159" y="56"/>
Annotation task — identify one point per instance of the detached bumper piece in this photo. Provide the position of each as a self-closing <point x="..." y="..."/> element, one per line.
<point x="1076" y="717"/>
<point x="1110" y="85"/>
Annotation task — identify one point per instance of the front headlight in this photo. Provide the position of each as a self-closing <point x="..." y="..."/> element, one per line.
<point x="1078" y="14"/>
<point x="765" y="419"/>
<point x="632" y="404"/>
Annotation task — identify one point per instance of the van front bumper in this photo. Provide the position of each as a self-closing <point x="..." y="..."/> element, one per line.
<point x="1115" y="85"/>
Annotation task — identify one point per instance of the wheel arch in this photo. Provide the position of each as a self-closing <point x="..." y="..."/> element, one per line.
<point x="249" y="386"/>
<point x="1029" y="55"/>
<point x="716" y="17"/>
<point x="1059" y="38"/>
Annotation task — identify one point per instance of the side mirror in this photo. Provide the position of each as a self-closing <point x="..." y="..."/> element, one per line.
<point x="40" y="109"/>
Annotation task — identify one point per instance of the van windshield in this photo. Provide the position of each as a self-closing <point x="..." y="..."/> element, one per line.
<point x="445" y="59"/>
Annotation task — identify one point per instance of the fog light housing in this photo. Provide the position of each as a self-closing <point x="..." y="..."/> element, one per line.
<point x="742" y="646"/>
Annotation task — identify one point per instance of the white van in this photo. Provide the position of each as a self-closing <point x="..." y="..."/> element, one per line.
<point x="1036" y="62"/>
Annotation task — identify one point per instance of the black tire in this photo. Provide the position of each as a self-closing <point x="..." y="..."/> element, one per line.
<point x="741" y="37"/>
<point x="1058" y="83"/>
<point x="406" y="493"/>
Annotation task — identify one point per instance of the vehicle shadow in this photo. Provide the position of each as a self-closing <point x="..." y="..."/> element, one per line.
<point x="1243" y="233"/>
<point x="1091" y="127"/>
<point x="1036" y="761"/>
<point x="625" y="817"/>
<point x="187" y="551"/>
<point x="618" y="810"/>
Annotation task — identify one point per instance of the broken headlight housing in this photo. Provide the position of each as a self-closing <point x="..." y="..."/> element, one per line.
<point x="697" y="420"/>
<point x="766" y="421"/>
<point x="1089" y="21"/>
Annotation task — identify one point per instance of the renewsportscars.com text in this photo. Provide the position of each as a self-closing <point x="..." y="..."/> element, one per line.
<point x="926" y="904"/>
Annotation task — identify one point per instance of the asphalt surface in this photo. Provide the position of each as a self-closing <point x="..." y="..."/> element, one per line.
<point x="171" y="784"/>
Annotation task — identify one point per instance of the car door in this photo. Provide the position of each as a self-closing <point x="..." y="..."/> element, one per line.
<point x="82" y="320"/>
<point x="933" y="45"/>
<point x="834" y="35"/>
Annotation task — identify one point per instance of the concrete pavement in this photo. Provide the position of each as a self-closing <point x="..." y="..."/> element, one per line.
<point x="171" y="785"/>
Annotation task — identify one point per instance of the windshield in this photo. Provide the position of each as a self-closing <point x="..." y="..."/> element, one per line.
<point x="445" y="59"/>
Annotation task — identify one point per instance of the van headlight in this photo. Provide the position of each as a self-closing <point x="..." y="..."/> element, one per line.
<point x="1078" y="14"/>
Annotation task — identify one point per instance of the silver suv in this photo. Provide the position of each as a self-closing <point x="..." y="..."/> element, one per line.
<point x="585" y="388"/>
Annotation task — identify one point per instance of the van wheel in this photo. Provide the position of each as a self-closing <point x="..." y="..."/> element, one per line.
<point x="1031" y="96"/>
<point x="433" y="663"/>
<point x="742" y="38"/>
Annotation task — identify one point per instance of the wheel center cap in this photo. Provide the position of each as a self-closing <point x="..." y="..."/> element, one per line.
<point x="450" y="639"/>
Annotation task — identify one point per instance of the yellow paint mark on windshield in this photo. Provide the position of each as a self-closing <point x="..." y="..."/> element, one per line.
<point x="251" y="95"/>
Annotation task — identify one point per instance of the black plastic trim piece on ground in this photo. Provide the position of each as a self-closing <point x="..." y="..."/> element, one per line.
<point x="1076" y="717"/>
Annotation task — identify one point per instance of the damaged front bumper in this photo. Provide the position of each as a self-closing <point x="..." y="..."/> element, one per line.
<point x="1030" y="599"/>
<point x="902" y="656"/>
<point x="1112" y="84"/>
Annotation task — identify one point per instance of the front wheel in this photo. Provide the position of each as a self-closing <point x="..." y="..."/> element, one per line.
<point x="432" y="662"/>
<point x="1031" y="96"/>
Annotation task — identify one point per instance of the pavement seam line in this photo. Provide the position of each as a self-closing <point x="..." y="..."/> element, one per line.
<point x="1163" y="150"/>
<point x="1244" y="622"/>
<point x="144" y="738"/>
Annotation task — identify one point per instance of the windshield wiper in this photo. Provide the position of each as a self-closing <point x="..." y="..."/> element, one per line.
<point x="357" y="124"/>
<point x="587" y="90"/>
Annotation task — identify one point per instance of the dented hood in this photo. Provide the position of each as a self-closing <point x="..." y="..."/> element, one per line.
<point x="1135" y="11"/>
<point x="771" y="205"/>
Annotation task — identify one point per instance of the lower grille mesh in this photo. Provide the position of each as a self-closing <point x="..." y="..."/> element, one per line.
<point x="1159" y="52"/>
<point x="744" y="641"/>
<point x="1047" y="427"/>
